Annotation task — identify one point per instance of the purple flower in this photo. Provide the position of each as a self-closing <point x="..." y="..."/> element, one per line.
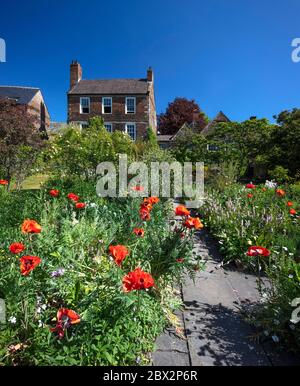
<point x="58" y="273"/>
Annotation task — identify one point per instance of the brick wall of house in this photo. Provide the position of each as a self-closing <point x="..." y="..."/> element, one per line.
<point x="38" y="108"/>
<point x="118" y="117"/>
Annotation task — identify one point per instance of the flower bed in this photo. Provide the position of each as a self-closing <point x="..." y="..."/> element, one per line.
<point x="88" y="284"/>
<point x="259" y="229"/>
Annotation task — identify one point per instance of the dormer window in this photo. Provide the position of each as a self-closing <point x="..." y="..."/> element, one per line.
<point x="84" y="105"/>
<point x="106" y="105"/>
<point x="130" y="105"/>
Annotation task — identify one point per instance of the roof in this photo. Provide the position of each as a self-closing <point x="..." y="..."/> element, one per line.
<point x="220" y="117"/>
<point x="22" y="95"/>
<point x="164" y="138"/>
<point x="111" y="86"/>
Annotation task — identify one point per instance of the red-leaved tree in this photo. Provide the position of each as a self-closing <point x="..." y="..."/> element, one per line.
<point x="178" y="112"/>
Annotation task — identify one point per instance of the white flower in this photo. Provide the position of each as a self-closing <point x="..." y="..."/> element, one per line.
<point x="44" y="306"/>
<point x="275" y="338"/>
<point x="291" y="276"/>
<point x="285" y="249"/>
<point x="40" y="323"/>
<point x="12" y="320"/>
<point x="38" y="310"/>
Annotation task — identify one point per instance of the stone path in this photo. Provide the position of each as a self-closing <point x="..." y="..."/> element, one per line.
<point x="216" y="333"/>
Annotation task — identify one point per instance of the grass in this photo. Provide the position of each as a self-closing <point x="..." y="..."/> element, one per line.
<point x="34" y="182"/>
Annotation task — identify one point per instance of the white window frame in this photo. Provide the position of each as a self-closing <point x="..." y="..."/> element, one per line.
<point x="209" y="147"/>
<point x="126" y="110"/>
<point x="126" y="129"/>
<point x="89" y="99"/>
<point x="110" y="98"/>
<point x="109" y="124"/>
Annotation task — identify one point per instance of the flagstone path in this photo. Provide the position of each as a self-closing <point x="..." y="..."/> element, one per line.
<point x="216" y="333"/>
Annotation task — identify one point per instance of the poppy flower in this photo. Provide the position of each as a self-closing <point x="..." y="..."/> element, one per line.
<point x="139" y="232"/>
<point x="137" y="280"/>
<point x="181" y="210"/>
<point x="65" y="318"/>
<point x="138" y="188"/>
<point x="118" y="252"/>
<point x="293" y="212"/>
<point x="3" y="182"/>
<point x="28" y="263"/>
<point x="250" y="186"/>
<point x="54" y="193"/>
<point x="258" y="251"/>
<point x="146" y="205"/>
<point x="290" y="203"/>
<point x="16" y="248"/>
<point x="80" y="205"/>
<point x="280" y="192"/>
<point x="193" y="222"/>
<point x="144" y="214"/>
<point x="180" y="260"/>
<point x="249" y="195"/>
<point x="152" y="200"/>
<point x="31" y="226"/>
<point x="73" y="197"/>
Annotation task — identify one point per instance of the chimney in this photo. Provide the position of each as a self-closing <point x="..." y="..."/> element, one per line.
<point x="150" y="76"/>
<point x="75" y="73"/>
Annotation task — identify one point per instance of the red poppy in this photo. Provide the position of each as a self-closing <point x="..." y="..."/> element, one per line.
<point x="290" y="203"/>
<point x="250" y="186"/>
<point x="249" y="195"/>
<point x="280" y="192"/>
<point x="139" y="232"/>
<point x="146" y="205"/>
<point x="16" y="248"/>
<point x="180" y="260"/>
<point x="293" y="212"/>
<point x="28" y="263"/>
<point x="31" y="226"/>
<point x="138" y="188"/>
<point x="54" y="193"/>
<point x="181" y="210"/>
<point x="152" y="200"/>
<point x="144" y="214"/>
<point x="73" y="197"/>
<point x="65" y="318"/>
<point x="3" y="182"/>
<point x="258" y="251"/>
<point x="137" y="280"/>
<point x="80" y="205"/>
<point x="193" y="222"/>
<point x="118" y="252"/>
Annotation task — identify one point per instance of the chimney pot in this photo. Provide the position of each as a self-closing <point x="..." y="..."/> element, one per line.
<point x="150" y="76"/>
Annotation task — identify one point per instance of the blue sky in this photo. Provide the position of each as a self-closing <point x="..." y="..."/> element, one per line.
<point x="229" y="55"/>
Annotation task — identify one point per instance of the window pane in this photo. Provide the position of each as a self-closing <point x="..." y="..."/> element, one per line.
<point x="85" y="105"/>
<point x="107" y="105"/>
<point x="108" y="127"/>
<point x="130" y="105"/>
<point x="130" y="129"/>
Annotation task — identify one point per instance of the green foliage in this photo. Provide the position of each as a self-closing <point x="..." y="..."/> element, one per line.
<point x="76" y="152"/>
<point x="279" y="174"/>
<point x="116" y="328"/>
<point x="151" y="138"/>
<point x="123" y="144"/>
